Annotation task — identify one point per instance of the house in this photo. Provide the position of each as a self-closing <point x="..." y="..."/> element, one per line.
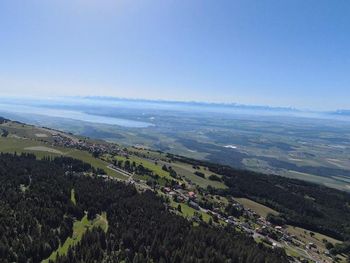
<point x="104" y="176"/>
<point x="238" y="206"/>
<point x="192" y="195"/>
<point x="167" y="189"/>
<point x="194" y="205"/>
<point x="180" y="199"/>
<point x="177" y="187"/>
<point x="312" y="245"/>
<point x="230" y="221"/>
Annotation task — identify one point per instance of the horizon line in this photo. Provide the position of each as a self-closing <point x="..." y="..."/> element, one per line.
<point x="171" y="101"/>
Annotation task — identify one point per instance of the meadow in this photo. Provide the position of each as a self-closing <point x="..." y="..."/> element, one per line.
<point x="79" y="228"/>
<point x="260" y="209"/>
<point x="20" y="145"/>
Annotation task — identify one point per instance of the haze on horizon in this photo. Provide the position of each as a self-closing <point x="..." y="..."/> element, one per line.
<point x="289" y="53"/>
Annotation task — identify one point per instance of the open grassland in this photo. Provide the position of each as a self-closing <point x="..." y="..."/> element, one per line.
<point x="188" y="212"/>
<point x="156" y="168"/>
<point x="256" y="207"/>
<point x="95" y="162"/>
<point x="101" y="221"/>
<point x="332" y="182"/>
<point x="148" y="153"/>
<point x="296" y="252"/>
<point x="22" y="130"/>
<point x="182" y="169"/>
<point x="79" y="228"/>
<point x="337" y="182"/>
<point x="17" y="145"/>
<point x="72" y="197"/>
<point x="316" y="238"/>
<point x="41" y="149"/>
<point x="187" y="171"/>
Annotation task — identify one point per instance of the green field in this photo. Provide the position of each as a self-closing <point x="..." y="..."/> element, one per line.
<point x="97" y="163"/>
<point x="42" y="149"/>
<point x="188" y="212"/>
<point x="148" y="153"/>
<point x="79" y="228"/>
<point x="181" y="169"/>
<point x="316" y="238"/>
<point x="27" y="131"/>
<point x="72" y="197"/>
<point x="260" y="209"/>
<point x="157" y="169"/>
<point x="187" y="171"/>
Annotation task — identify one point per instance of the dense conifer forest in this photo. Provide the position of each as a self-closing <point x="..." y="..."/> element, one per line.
<point x="37" y="215"/>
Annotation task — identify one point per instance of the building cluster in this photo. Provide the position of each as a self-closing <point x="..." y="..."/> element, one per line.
<point x="85" y="145"/>
<point x="250" y="222"/>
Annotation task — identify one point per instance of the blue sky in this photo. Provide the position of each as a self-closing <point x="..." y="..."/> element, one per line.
<point x="280" y="53"/>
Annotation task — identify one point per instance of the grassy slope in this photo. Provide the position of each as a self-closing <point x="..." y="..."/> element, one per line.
<point x="300" y="233"/>
<point x="256" y="207"/>
<point x="72" y="197"/>
<point x="79" y="228"/>
<point x="147" y="164"/>
<point x="19" y="145"/>
<point x="188" y="212"/>
<point x="317" y="238"/>
<point x="182" y="169"/>
<point x="97" y="163"/>
<point x="187" y="171"/>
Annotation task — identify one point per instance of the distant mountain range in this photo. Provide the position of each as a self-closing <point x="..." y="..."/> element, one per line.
<point x="196" y="103"/>
<point x="65" y="101"/>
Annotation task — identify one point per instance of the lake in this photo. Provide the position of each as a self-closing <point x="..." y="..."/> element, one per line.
<point x="73" y="115"/>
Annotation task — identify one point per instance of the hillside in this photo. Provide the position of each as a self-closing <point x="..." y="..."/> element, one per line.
<point x="302" y="145"/>
<point x="38" y="216"/>
<point x="308" y="205"/>
<point x="264" y="208"/>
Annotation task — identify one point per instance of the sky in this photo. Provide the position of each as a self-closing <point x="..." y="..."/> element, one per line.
<point x="292" y="53"/>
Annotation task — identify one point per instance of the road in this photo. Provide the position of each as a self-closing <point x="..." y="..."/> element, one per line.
<point x="121" y="171"/>
<point x="247" y="230"/>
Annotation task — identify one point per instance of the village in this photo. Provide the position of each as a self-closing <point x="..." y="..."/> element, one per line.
<point x="96" y="148"/>
<point x="254" y="225"/>
<point x="181" y="192"/>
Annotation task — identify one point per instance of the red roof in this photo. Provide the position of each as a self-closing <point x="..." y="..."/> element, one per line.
<point x="191" y="194"/>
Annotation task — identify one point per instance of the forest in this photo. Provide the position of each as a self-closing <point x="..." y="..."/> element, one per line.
<point x="37" y="214"/>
